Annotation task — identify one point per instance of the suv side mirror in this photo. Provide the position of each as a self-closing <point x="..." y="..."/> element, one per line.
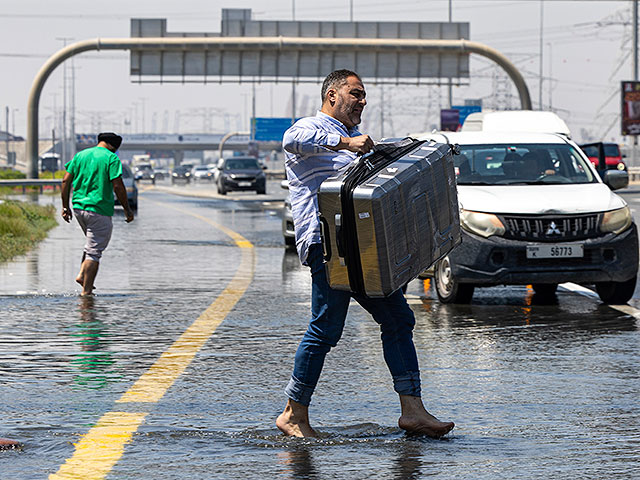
<point x="615" y="179"/>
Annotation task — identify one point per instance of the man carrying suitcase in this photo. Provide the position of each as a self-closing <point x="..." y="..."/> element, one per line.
<point x="316" y="148"/>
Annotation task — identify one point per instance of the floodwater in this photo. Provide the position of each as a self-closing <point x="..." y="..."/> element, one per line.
<point x="536" y="391"/>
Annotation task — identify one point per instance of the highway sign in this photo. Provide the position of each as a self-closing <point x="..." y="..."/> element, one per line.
<point x="269" y="129"/>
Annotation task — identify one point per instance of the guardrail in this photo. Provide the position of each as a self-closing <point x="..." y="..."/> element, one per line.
<point x="277" y="174"/>
<point x="634" y="174"/>
<point x="32" y="182"/>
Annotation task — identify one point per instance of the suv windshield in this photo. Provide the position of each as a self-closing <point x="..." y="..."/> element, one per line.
<point x="520" y="164"/>
<point x="242" y="164"/>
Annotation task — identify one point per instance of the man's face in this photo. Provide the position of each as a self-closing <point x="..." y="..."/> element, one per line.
<point x="348" y="101"/>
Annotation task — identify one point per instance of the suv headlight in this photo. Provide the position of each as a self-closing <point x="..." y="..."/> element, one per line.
<point x="616" y="221"/>
<point x="483" y="224"/>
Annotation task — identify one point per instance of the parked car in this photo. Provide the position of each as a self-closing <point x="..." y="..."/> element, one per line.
<point x="130" y="185"/>
<point x="181" y="173"/>
<point x="610" y="151"/>
<point x="534" y="210"/>
<point x="201" y="173"/>
<point x="144" y="171"/>
<point x="241" y="173"/>
<point x="288" y="231"/>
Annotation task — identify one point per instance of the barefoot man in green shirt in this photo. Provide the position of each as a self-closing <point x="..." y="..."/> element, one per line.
<point x="95" y="174"/>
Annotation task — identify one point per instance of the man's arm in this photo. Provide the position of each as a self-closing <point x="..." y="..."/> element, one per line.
<point x="121" y="194"/>
<point x="359" y="144"/>
<point x="300" y="140"/>
<point x="66" y="190"/>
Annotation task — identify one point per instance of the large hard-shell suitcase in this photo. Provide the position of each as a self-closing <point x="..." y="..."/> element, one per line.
<point x="389" y="216"/>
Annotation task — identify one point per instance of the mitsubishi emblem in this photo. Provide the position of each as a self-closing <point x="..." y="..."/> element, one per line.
<point x="553" y="229"/>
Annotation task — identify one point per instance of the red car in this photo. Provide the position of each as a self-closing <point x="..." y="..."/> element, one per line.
<point x="612" y="155"/>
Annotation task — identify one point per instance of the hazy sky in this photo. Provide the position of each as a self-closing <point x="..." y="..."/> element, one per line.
<point x="587" y="52"/>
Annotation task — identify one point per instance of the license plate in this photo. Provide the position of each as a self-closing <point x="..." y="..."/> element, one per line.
<point x="572" y="250"/>
<point x="244" y="184"/>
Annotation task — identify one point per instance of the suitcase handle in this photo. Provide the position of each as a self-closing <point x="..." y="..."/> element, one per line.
<point x="326" y="240"/>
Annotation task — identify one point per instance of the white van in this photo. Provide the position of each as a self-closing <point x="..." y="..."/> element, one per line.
<point x="535" y="211"/>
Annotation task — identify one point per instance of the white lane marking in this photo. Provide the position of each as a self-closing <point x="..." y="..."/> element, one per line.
<point x="574" y="287"/>
<point x="627" y="309"/>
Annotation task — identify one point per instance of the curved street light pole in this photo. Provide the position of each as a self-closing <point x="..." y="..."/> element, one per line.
<point x="252" y="43"/>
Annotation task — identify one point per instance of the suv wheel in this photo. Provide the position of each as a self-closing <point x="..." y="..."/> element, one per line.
<point x="616" y="293"/>
<point x="449" y="290"/>
<point x="221" y="189"/>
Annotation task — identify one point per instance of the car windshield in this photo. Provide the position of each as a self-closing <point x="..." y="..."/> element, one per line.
<point x="241" y="164"/>
<point x="520" y="164"/>
<point x="126" y="172"/>
<point x="203" y="168"/>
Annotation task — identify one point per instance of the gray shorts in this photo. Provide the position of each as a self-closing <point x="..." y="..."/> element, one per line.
<point x="97" y="228"/>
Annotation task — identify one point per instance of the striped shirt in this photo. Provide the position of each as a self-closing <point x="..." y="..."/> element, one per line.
<point x="308" y="162"/>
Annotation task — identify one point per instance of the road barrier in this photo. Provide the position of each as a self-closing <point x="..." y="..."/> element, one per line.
<point x="634" y="174"/>
<point x="32" y="182"/>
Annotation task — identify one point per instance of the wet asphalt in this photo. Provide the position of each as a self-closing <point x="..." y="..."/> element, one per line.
<point x="536" y="390"/>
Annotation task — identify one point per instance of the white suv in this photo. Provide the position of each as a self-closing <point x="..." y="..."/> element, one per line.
<point x="534" y="211"/>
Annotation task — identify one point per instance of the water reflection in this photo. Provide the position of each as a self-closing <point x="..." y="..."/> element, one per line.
<point x="95" y="361"/>
<point x="501" y="314"/>
<point x="32" y="263"/>
<point x="408" y="463"/>
<point x="294" y="274"/>
<point x="298" y="463"/>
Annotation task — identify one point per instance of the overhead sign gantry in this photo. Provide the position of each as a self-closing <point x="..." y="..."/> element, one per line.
<point x="302" y="62"/>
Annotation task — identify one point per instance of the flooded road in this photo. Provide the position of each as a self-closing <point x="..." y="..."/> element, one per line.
<point x="536" y="391"/>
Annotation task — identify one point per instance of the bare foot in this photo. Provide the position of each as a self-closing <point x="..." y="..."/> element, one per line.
<point x="425" y="425"/>
<point x="416" y="419"/>
<point x="294" y="421"/>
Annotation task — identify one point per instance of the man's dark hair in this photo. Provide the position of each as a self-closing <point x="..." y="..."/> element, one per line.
<point x="336" y="79"/>
<point x="111" y="138"/>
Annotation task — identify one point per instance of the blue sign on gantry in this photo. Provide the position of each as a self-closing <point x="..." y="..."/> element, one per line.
<point x="270" y="129"/>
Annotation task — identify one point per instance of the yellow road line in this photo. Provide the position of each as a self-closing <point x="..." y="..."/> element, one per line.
<point x="101" y="448"/>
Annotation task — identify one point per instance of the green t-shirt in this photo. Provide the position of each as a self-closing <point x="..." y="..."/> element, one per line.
<point x="93" y="171"/>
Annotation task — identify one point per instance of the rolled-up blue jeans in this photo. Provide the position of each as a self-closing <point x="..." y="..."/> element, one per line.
<point x="328" y="314"/>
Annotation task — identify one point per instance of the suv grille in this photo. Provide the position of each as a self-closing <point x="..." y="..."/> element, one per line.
<point x="551" y="228"/>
